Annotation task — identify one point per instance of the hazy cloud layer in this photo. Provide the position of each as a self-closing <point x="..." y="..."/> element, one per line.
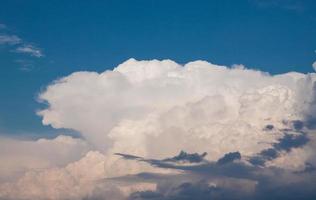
<point x="251" y="126"/>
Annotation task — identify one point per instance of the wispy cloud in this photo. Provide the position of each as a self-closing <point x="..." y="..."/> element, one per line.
<point x="3" y="26"/>
<point x="19" y="45"/>
<point x="290" y="5"/>
<point x="31" y="50"/>
<point x="25" y="65"/>
<point x="10" y="39"/>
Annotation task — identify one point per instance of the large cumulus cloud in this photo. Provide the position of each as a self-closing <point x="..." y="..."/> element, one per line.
<point x="157" y="108"/>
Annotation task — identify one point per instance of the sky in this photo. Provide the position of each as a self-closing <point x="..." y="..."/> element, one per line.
<point x="151" y="99"/>
<point x="273" y="36"/>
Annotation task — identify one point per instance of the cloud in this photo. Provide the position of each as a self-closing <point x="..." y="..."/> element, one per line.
<point x="19" y="156"/>
<point x="289" y="5"/>
<point x="204" y="107"/>
<point x="229" y="157"/>
<point x="20" y="45"/>
<point x="199" y="191"/>
<point x="228" y="189"/>
<point x="31" y="50"/>
<point x="291" y="141"/>
<point x="10" y="39"/>
<point x="3" y="26"/>
<point x="232" y="180"/>
<point x="25" y="65"/>
<point x="314" y="65"/>
<point x="154" y="109"/>
<point x="187" y="157"/>
<point x="223" y="167"/>
<point x="74" y="181"/>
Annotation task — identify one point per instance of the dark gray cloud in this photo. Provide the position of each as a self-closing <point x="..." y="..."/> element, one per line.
<point x="128" y="156"/>
<point x="181" y="157"/>
<point x="265" y="187"/>
<point x="268" y="127"/>
<point x="290" y="141"/>
<point x="229" y="157"/>
<point x="298" y="125"/>
<point x="272" y="184"/>
<point x="224" y="167"/>
<point x="225" y="179"/>
<point x="293" y="137"/>
<point x="186" y="157"/>
<point x="198" y="191"/>
<point x="263" y="156"/>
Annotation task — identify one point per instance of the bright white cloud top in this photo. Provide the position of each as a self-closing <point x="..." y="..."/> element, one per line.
<point x="154" y="109"/>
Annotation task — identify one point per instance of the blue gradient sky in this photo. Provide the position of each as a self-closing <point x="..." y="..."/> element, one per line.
<point x="273" y="36"/>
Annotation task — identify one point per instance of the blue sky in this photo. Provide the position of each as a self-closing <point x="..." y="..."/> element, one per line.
<point x="273" y="36"/>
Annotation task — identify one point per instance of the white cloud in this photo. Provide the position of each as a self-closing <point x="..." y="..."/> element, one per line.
<point x="157" y="108"/>
<point x="314" y="65"/>
<point x="18" y="156"/>
<point x="204" y="107"/>
<point x="10" y="39"/>
<point x="31" y="50"/>
<point x="20" y="45"/>
<point x="81" y="179"/>
<point x="70" y="182"/>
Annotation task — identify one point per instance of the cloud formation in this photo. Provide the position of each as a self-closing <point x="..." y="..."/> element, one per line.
<point x="250" y="124"/>
<point x="20" y="46"/>
<point x="9" y="39"/>
<point x="289" y="5"/>
<point x="19" y="156"/>
<point x="31" y="50"/>
<point x="3" y="26"/>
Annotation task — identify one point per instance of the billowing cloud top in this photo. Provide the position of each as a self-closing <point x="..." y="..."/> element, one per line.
<point x="156" y="109"/>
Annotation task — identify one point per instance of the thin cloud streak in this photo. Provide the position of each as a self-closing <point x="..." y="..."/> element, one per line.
<point x="9" y="40"/>
<point x="19" y="44"/>
<point x="31" y="50"/>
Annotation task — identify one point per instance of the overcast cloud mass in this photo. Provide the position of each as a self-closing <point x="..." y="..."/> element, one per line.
<point x="145" y="127"/>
